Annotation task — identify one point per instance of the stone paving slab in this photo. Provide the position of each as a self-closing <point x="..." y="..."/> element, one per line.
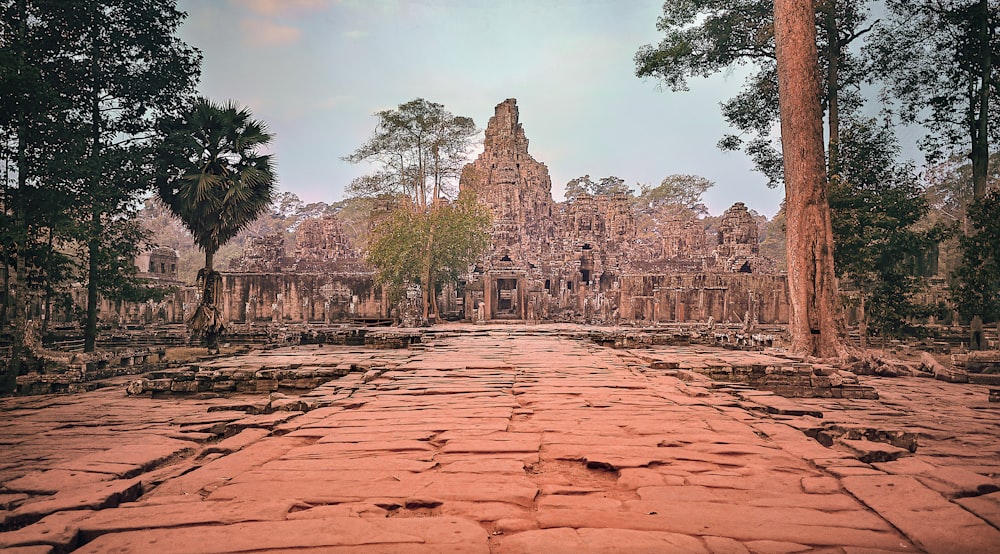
<point x="920" y="512"/>
<point x="505" y="440"/>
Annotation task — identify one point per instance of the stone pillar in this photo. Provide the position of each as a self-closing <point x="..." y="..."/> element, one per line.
<point x="725" y="305"/>
<point x="977" y="338"/>
<point x="488" y="293"/>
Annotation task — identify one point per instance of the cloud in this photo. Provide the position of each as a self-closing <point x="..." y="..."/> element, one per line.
<point x="258" y="32"/>
<point x="355" y="34"/>
<point x="284" y="7"/>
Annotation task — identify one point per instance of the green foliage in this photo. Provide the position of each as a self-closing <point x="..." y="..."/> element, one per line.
<point x="420" y="148"/>
<point x="877" y="204"/>
<point x="704" y="37"/>
<point x="949" y="193"/>
<point x="933" y="55"/>
<point x="978" y="292"/>
<point x="408" y="244"/>
<point x="84" y="84"/>
<point x="676" y="190"/>
<point x="607" y="186"/>
<point x="213" y="176"/>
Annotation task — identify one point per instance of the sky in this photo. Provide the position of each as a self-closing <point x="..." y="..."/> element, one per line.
<point x="316" y="70"/>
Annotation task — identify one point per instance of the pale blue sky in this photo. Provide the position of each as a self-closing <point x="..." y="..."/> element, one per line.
<point x="315" y="71"/>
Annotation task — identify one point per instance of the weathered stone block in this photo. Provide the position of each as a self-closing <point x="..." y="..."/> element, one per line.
<point x="159" y="385"/>
<point x="266" y="385"/>
<point x="984" y="378"/>
<point x="184" y="386"/>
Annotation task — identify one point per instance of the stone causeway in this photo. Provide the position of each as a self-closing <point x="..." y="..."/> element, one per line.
<point x="503" y="439"/>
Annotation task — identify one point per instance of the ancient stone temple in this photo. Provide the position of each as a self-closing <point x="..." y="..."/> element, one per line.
<point x="516" y="188"/>
<point x="585" y="261"/>
<point x="595" y="259"/>
<point x="738" y="248"/>
<point x="324" y="280"/>
<point x="159" y="264"/>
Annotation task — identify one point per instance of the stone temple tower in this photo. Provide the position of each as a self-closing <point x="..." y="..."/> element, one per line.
<point x="517" y="189"/>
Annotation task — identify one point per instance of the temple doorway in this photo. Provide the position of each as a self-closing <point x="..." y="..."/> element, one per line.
<point x="506" y="300"/>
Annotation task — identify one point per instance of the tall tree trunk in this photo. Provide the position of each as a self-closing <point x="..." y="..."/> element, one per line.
<point x="421" y="176"/>
<point x="6" y="293"/>
<point x="19" y="289"/>
<point x="96" y="170"/>
<point x="5" y="263"/>
<point x="812" y="288"/>
<point x="833" y="55"/>
<point x="90" y="330"/>
<point x="980" y="133"/>
<point x="429" y="297"/>
<point x="47" y="318"/>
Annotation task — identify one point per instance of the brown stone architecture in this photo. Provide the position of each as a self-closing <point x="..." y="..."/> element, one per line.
<point x="584" y="261"/>
<point x="595" y="259"/>
<point x="324" y="281"/>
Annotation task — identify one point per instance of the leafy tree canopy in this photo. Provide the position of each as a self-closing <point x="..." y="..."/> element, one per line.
<point x="939" y="60"/>
<point x="877" y="204"/>
<point x="704" y="37"/>
<point x="214" y="176"/>
<point x="419" y="148"/>
<point x="607" y="186"/>
<point x="979" y="290"/>
<point x="676" y="190"/>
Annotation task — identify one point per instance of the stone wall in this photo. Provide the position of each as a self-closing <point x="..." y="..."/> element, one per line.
<point x="300" y="297"/>
<point x="721" y="297"/>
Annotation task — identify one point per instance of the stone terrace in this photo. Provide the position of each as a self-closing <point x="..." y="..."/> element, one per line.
<point x="504" y="440"/>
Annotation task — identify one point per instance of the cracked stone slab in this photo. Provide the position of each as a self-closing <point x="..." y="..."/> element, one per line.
<point x="927" y="518"/>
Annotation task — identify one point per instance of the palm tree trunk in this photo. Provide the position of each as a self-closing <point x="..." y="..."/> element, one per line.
<point x="211" y="315"/>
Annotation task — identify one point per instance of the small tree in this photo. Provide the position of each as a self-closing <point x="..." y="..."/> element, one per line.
<point x="420" y="149"/>
<point x="978" y="292"/>
<point x="215" y="179"/>
<point x="877" y="204"/>
<point x="428" y="247"/>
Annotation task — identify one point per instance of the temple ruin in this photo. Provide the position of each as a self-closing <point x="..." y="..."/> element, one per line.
<point x="595" y="259"/>
<point x="584" y="260"/>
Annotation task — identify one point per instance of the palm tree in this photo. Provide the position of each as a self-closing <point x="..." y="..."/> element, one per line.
<point x="215" y="180"/>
